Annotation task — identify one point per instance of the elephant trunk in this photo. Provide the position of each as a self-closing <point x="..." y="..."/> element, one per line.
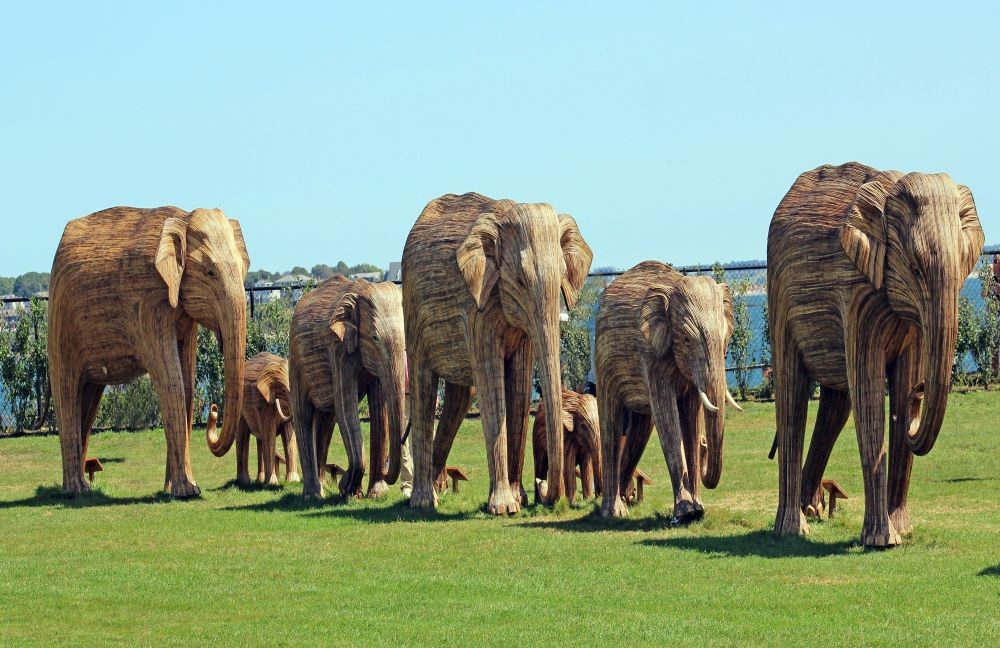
<point x="234" y="361"/>
<point x="394" y="398"/>
<point x="710" y="467"/>
<point x="939" y="342"/>
<point x="547" y="345"/>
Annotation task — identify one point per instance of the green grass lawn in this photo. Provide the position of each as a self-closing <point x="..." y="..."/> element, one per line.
<point x="252" y="567"/>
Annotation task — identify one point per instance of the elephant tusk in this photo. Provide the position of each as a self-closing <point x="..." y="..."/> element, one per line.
<point x="732" y="401"/>
<point x="213" y="418"/>
<point x="281" y="412"/>
<point x="707" y="403"/>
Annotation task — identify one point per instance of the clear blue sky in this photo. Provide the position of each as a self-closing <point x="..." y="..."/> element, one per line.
<point x="669" y="132"/>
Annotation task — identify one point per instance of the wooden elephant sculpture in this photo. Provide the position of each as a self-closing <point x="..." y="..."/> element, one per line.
<point x="346" y="342"/>
<point x="661" y="340"/>
<point x="481" y="298"/>
<point x="129" y="288"/>
<point x="581" y="446"/>
<point x="864" y="269"/>
<point x="266" y="415"/>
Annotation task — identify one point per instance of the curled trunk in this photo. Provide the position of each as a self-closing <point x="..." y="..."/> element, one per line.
<point x="234" y="362"/>
<point x="936" y="372"/>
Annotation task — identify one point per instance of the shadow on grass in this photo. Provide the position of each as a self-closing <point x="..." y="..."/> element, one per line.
<point x="961" y="480"/>
<point x="993" y="571"/>
<point x="53" y="496"/>
<point x="252" y="487"/>
<point x="593" y="522"/>
<point x="761" y="544"/>
<point x="371" y="512"/>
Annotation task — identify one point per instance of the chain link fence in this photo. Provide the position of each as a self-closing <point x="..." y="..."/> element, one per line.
<point x="24" y="392"/>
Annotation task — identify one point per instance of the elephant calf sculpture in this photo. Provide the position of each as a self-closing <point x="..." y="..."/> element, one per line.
<point x="346" y="341"/>
<point x="581" y="445"/>
<point x="481" y="298"/>
<point x="661" y="343"/>
<point x="129" y="288"/>
<point x="266" y="415"/>
<point x="864" y="269"/>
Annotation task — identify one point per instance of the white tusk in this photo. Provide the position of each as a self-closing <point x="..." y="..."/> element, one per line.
<point x="732" y="401"/>
<point x="707" y="403"/>
<point x="281" y="412"/>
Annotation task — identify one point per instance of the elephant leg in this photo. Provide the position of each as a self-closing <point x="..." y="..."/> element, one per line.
<point x="834" y="408"/>
<point x="323" y="423"/>
<point x="291" y="445"/>
<point x="903" y="375"/>
<point x="637" y="432"/>
<point x="612" y="415"/>
<point x="266" y="449"/>
<point x="539" y="452"/>
<point x="517" y="390"/>
<point x="423" y="394"/>
<point x="866" y="378"/>
<point x="586" y="463"/>
<point x="791" y="401"/>
<point x="488" y="373"/>
<point x="260" y="461"/>
<point x="67" y="395"/>
<point x="569" y="474"/>
<point x="666" y="418"/>
<point x="304" y="416"/>
<point x="163" y="363"/>
<point x="187" y="351"/>
<point x="692" y="418"/>
<point x="457" y="399"/>
<point x="243" y="453"/>
<point x="379" y="438"/>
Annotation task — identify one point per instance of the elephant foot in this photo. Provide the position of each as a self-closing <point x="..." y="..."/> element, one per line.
<point x="879" y="534"/>
<point x="814" y="507"/>
<point x="900" y="519"/>
<point x="293" y="477"/>
<point x="686" y="512"/>
<point x="182" y="488"/>
<point x="350" y="484"/>
<point x="273" y="481"/>
<point x="519" y="494"/>
<point x="423" y="497"/>
<point x="502" y="502"/>
<point x="790" y="522"/>
<point x="243" y="480"/>
<point x="617" y="509"/>
<point x="75" y="486"/>
<point x="312" y="493"/>
<point x="378" y="489"/>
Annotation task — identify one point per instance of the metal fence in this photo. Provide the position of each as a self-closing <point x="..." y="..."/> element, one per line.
<point x="22" y="343"/>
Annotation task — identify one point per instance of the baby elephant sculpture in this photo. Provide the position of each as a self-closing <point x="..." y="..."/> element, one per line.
<point x="894" y="251"/>
<point x="581" y="446"/>
<point x="661" y="359"/>
<point x="266" y="415"/>
<point x="129" y="289"/>
<point x="346" y="341"/>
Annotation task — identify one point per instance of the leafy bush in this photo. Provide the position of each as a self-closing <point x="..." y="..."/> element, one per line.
<point x="132" y="406"/>
<point x="24" y="369"/>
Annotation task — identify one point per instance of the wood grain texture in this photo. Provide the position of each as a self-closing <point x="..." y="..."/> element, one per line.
<point x="864" y="272"/>
<point x="581" y="444"/>
<point x="481" y="288"/>
<point x="346" y="342"/>
<point x="129" y="287"/>
<point x="266" y="415"/>
<point x="661" y="343"/>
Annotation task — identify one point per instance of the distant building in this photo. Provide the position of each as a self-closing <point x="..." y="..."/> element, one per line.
<point x="374" y="277"/>
<point x="395" y="272"/>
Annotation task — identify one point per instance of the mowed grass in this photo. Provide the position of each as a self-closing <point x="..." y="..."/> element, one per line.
<point x="259" y="567"/>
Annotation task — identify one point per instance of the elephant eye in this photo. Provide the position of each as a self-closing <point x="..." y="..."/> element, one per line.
<point x="375" y="338"/>
<point x="211" y="273"/>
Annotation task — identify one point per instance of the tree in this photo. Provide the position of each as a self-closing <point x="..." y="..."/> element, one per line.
<point x="342" y="269"/>
<point x="322" y="271"/>
<point x="299" y="270"/>
<point x="259" y="275"/>
<point x="30" y="283"/>
<point x="363" y="267"/>
<point x="6" y="285"/>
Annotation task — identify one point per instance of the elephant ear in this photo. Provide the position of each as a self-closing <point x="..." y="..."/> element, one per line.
<point x="240" y="244"/>
<point x="345" y="322"/>
<point x="727" y="309"/>
<point x="972" y="231"/>
<point x="863" y="234"/>
<point x="477" y="258"/>
<point x="577" y="256"/>
<point x="654" y="321"/>
<point x="170" y="255"/>
<point x="265" y="385"/>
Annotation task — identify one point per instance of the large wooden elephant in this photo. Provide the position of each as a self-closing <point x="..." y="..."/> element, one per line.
<point x="481" y="284"/>
<point x="266" y="415"/>
<point x="581" y="446"/>
<point x="346" y="341"/>
<point x="864" y="269"/>
<point x="661" y="344"/>
<point x="129" y="287"/>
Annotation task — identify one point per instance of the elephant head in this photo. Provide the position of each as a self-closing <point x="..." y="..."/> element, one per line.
<point x="368" y="321"/>
<point x="271" y="389"/>
<point x="693" y="321"/>
<point x="203" y="261"/>
<point x="529" y="254"/>
<point x="919" y="239"/>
